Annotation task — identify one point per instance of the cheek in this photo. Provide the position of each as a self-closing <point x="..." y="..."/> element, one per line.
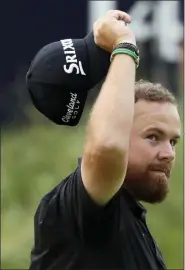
<point x="140" y="151"/>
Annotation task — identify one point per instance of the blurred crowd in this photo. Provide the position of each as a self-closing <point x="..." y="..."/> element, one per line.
<point x="158" y="26"/>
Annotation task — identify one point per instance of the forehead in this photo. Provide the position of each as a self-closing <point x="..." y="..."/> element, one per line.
<point x="154" y="114"/>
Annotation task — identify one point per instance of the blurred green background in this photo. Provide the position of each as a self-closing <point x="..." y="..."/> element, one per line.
<point x="36" y="158"/>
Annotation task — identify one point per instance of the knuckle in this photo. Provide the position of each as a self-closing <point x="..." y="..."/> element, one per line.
<point x="97" y="40"/>
<point x="97" y="31"/>
<point x="100" y="26"/>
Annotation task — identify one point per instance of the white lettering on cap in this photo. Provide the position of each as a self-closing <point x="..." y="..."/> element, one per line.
<point x="72" y="62"/>
<point x="72" y="108"/>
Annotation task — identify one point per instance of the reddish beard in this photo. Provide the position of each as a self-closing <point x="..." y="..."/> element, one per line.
<point x="150" y="186"/>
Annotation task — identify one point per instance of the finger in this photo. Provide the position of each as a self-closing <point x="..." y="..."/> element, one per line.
<point x="120" y="15"/>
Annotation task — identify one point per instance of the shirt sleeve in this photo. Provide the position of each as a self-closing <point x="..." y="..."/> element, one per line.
<point x="70" y="208"/>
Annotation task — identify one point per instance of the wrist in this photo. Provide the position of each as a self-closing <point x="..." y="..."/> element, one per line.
<point x="127" y="48"/>
<point x="127" y="59"/>
<point x="119" y="41"/>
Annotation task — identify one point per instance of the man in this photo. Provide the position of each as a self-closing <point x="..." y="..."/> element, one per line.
<point x="93" y="218"/>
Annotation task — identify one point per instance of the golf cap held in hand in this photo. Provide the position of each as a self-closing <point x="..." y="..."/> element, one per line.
<point x="62" y="73"/>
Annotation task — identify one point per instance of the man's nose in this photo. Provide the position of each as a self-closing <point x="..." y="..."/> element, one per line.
<point x="166" y="152"/>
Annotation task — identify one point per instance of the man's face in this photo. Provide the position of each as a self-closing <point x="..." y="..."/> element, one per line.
<point x="156" y="129"/>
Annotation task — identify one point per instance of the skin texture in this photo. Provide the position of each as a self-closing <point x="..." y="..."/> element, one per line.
<point x="152" y="153"/>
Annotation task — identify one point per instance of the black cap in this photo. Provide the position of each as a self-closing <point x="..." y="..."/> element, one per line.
<point x="61" y="74"/>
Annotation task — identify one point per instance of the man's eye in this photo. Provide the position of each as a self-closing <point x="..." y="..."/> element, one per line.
<point x="152" y="137"/>
<point x="173" y="142"/>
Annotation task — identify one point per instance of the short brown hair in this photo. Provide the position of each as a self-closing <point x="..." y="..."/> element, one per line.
<point x="153" y="92"/>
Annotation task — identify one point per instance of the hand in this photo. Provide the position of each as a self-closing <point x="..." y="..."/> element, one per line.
<point x="110" y="29"/>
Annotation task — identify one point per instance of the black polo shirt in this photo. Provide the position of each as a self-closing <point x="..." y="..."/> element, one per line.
<point x="72" y="232"/>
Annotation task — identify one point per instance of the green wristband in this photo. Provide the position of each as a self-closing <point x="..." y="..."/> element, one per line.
<point x="123" y="50"/>
<point x="128" y="52"/>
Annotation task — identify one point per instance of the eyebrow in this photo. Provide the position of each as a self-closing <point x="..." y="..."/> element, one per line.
<point x="161" y="132"/>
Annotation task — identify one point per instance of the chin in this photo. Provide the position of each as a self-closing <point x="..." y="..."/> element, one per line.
<point x="152" y="189"/>
<point x="154" y="198"/>
<point x="157" y="191"/>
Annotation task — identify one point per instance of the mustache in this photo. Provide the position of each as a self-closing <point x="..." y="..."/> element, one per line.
<point x="163" y="167"/>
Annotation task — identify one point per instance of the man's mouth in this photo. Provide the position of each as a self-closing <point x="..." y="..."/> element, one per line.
<point x="163" y="170"/>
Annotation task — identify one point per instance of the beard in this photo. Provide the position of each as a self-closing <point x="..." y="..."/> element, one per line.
<point x="150" y="185"/>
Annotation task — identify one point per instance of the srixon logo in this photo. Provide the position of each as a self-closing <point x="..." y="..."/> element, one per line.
<point x="72" y="63"/>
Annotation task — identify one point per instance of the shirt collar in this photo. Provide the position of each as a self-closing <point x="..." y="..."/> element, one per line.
<point x="136" y="207"/>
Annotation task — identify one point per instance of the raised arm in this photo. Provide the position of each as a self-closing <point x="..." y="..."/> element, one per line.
<point x="105" y="156"/>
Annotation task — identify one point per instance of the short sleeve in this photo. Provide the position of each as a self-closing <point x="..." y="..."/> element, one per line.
<point x="69" y="209"/>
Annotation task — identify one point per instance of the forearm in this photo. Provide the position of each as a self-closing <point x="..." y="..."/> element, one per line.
<point x="112" y="115"/>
